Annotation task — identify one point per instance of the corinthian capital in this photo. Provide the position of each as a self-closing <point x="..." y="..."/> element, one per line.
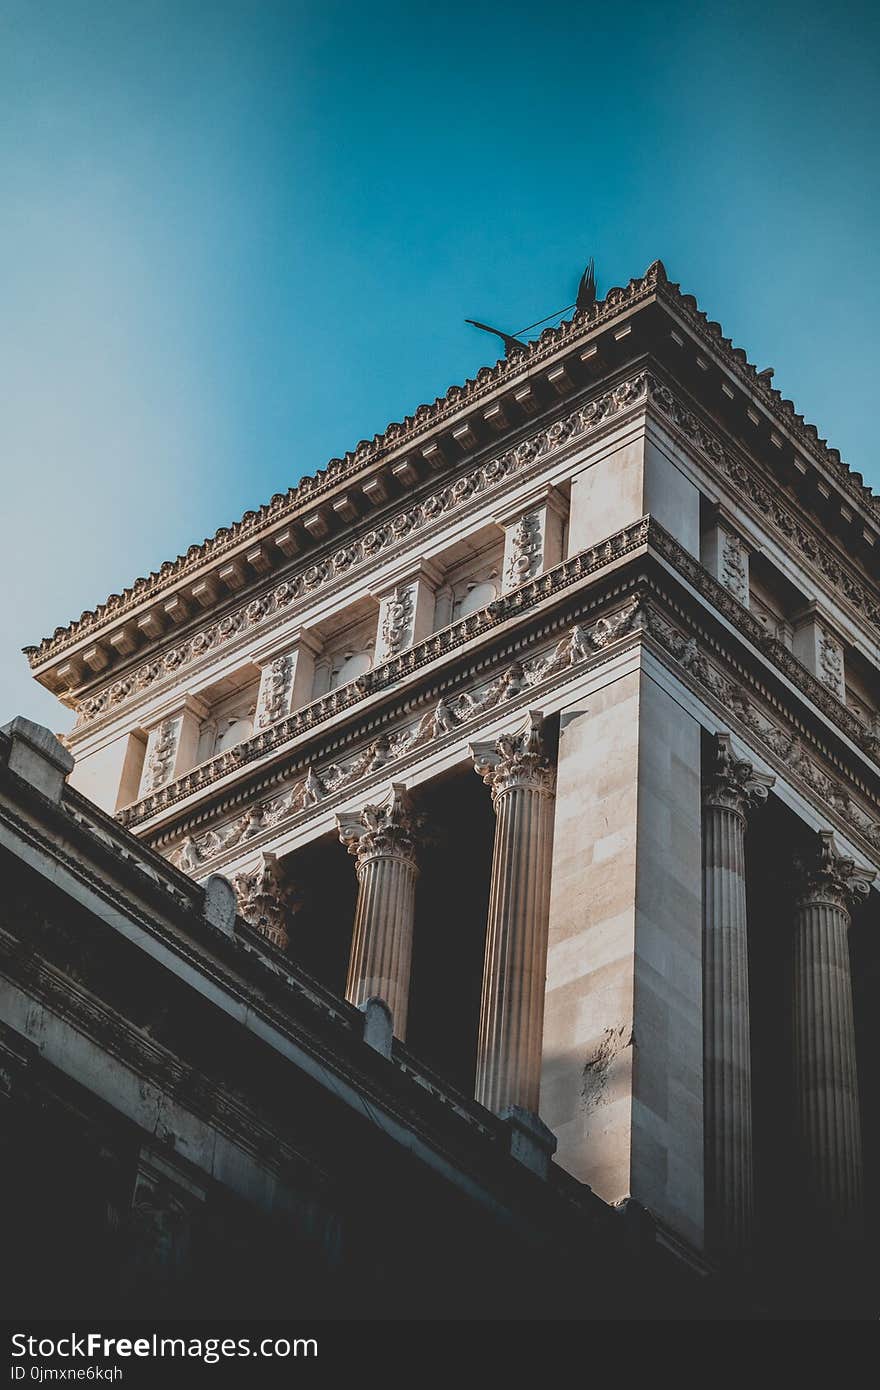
<point x="516" y="760"/>
<point x="387" y="830"/>
<point x="733" y="784"/>
<point x="266" y="900"/>
<point x="824" y="876"/>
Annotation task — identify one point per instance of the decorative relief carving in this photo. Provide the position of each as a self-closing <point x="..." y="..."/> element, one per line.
<point x="733" y="783"/>
<point x="828" y="877"/>
<point x="526" y="550"/>
<point x="830" y="704"/>
<point x="160" y="762"/>
<point x="771" y="504"/>
<point x="570" y="572"/>
<point x="275" y="691"/>
<point x="447" y="716"/>
<point x="397" y="622"/>
<point x="517" y="760"/>
<point x="266" y="900"/>
<point x="786" y="745"/>
<point x="315" y="576"/>
<point x="733" y="567"/>
<point x="387" y="830"/>
<point x="831" y="664"/>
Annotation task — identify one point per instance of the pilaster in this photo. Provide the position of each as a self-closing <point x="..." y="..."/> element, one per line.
<point x="172" y="744"/>
<point x="406" y="610"/>
<point x="286" y="679"/>
<point x="817" y="645"/>
<point x="533" y="534"/>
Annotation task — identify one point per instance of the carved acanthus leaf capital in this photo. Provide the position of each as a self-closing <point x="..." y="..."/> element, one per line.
<point x="733" y="784"/>
<point x="824" y="876"/>
<point x="516" y="760"/>
<point x="388" y="829"/>
<point x="266" y="900"/>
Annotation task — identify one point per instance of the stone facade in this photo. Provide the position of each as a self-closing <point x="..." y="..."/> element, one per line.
<point x="622" y="578"/>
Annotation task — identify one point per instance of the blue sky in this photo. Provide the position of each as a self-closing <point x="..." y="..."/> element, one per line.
<point x="238" y="237"/>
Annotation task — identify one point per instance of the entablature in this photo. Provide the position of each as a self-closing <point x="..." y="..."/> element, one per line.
<point x="640" y="583"/>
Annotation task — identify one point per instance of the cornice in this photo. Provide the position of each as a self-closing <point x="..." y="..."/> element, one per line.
<point x="366" y="455"/>
<point x="770" y="504"/>
<point x="403" y="434"/>
<point x="777" y="406"/>
<point x="429" y="514"/>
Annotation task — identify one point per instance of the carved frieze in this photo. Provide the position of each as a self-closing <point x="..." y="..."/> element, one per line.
<point x="778" y="735"/>
<point x="303" y="584"/>
<point x="569" y="573"/>
<point x="448" y="716"/>
<point x="772" y="505"/>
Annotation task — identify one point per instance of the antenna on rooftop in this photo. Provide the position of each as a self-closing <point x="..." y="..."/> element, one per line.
<point x="586" y="298"/>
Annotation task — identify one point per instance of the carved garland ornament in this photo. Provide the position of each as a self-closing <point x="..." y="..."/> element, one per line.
<point x="784" y="744"/>
<point x="446" y="717"/>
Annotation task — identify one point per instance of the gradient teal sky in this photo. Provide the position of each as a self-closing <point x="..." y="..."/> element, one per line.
<point x="236" y="237"/>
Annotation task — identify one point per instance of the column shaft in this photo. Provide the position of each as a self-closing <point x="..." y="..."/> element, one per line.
<point x="381" y="952"/>
<point x="826" y="1081"/>
<point x="733" y="787"/>
<point x="727" y="1068"/>
<point x="512" y="1007"/>
<point x="384" y="839"/>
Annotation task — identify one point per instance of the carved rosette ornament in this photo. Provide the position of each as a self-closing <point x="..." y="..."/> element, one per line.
<point x="384" y="839"/>
<point x="266" y="900"/>
<point x="732" y="789"/>
<point x="826" y="1079"/>
<point x="521" y="777"/>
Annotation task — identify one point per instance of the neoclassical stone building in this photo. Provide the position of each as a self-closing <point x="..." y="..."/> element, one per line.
<point x="549" y="717"/>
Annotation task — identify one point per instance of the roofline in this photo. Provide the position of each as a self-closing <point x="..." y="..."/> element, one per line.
<point x="403" y="434"/>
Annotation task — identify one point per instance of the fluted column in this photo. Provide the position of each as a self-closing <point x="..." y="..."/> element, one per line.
<point x="517" y="770"/>
<point x="731" y="790"/>
<point x="384" y="840"/>
<point x="825" y="1074"/>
